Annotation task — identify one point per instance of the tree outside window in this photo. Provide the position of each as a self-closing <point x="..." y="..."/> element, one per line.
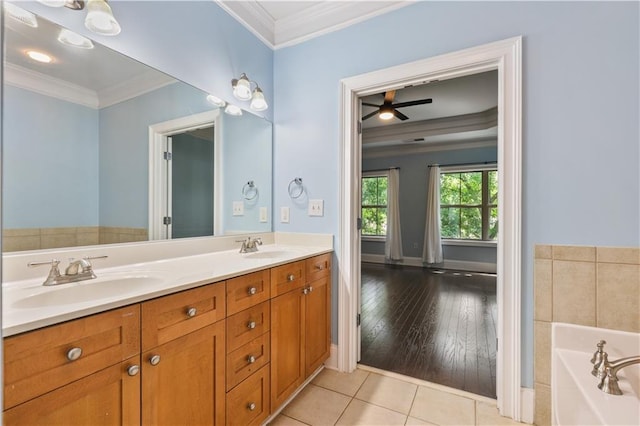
<point x="469" y="205"/>
<point x="374" y="206"/>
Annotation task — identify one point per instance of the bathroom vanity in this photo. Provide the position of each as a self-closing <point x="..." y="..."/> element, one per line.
<point x="227" y="351"/>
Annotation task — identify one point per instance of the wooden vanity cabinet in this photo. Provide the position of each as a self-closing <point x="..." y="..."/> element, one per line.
<point x="300" y="328"/>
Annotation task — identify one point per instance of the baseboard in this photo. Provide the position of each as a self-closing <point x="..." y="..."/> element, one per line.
<point x="459" y="265"/>
<point x="527" y="405"/>
<point x="332" y="362"/>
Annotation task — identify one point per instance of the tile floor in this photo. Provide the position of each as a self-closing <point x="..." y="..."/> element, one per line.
<point x="376" y="398"/>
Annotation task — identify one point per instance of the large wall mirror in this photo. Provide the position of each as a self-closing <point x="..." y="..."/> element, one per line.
<point x="99" y="148"/>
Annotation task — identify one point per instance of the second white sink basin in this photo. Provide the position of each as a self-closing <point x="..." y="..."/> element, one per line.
<point x="99" y="288"/>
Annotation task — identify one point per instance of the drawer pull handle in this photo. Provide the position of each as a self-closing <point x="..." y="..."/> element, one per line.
<point x="133" y="370"/>
<point x="291" y="277"/>
<point x="252" y="291"/>
<point x="251" y="406"/>
<point x="155" y="360"/>
<point x="251" y="359"/>
<point x="310" y="289"/>
<point x="251" y="325"/>
<point x="305" y="291"/>
<point x="319" y="267"/>
<point x="191" y="312"/>
<point x="74" y="353"/>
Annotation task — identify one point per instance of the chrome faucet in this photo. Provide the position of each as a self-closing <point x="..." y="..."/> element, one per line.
<point x="72" y="273"/>
<point x="250" y="245"/>
<point x="607" y="372"/>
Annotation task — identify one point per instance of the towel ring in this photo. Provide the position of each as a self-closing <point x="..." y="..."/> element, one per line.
<point x="249" y="191"/>
<point x="297" y="190"/>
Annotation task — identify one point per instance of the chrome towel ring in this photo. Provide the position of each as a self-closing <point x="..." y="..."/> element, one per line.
<point x="296" y="188"/>
<point x="249" y="191"/>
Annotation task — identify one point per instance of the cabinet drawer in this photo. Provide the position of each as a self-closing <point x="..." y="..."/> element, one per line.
<point x="170" y="317"/>
<point x="245" y="326"/>
<point x="318" y="267"/>
<point x="40" y="361"/>
<point x="248" y="359"/>
<point x="287" y="277"/>
<point x="247" y="291"/>
<point x="248" y="403"/>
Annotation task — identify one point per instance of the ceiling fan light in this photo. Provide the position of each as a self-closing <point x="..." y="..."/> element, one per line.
<point x="241" y="88"/>
<point x="258" y="102"/>
<point x="21" y="15"/>
<point x="386" y="113"/>
<point x="233" y="110"/>
<point x="100" y="18"/>
<point x="72" y="39"/>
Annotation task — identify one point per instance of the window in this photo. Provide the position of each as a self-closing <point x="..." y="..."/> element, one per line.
<point x="469" y="205"/>
<point x="374" y="205"/>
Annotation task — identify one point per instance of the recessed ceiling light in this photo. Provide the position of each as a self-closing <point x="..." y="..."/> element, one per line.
<point x="39" y="56"/>
<point x="215" y="101"/>
<point x="233" y="110"/>
<point x="21" y="15"/>
<point x="72" y="39"/>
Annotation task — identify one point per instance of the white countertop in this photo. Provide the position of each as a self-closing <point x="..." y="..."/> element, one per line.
<point x="28" y="305"/>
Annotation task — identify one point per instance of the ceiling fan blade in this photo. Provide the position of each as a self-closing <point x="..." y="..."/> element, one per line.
<point x="400" y="115"/>
<point x="388" y="96"/>
<point x="368" y="116"/>
<point x="412" y="103"/>
<point x="371" y="105"/>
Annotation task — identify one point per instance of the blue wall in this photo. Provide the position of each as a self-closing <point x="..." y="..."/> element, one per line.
<point x="580" y="114"/>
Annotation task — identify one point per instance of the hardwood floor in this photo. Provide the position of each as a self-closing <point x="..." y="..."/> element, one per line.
<point x="439" y="327"/>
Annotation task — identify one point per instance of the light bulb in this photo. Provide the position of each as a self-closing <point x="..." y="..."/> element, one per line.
<point x="386" y="113"/>
<point x="39" y="56"/>
<point x="100" y="19"/>
<point x="242" y="88"/>
<point x="258" y="103"/>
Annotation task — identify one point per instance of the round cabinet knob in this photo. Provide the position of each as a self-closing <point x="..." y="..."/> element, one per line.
<point x="305" y="291"/>
<point x="252" y="291"/>
<point x="191" y="312"/>
<point x="74" y="353"/>
<point x="251" y="359"/>
<point x="251" y="406"/>
<point x="251" y="325"/>
<point x="154" y="360"/>
<point x="133" y="370"/>
<point x="310" y="289"/>
<point x="291" y="277"/>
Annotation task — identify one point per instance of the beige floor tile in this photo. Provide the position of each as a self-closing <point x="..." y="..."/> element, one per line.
<point x="574" y="292"/>
<point x="346" y="383"/>
<point x="619" y="297"/>
<point x="443" y="408"/>
<point x="487" y="415"/>
<point x="283" y="420"/>
<point x="412" y="421"/>
<point x="388" y="392"/>
<point x="365" y="414"/>
<point x="317" y="406"/>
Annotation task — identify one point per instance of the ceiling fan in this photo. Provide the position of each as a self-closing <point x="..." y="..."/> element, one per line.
<point x="389" y="110"/>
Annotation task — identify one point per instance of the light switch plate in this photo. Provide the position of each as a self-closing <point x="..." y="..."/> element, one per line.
<point x="316" y="207"/>
<point x="284" y="214"/>
<point x="263" y="214"/>
<point x="238" y="208"/>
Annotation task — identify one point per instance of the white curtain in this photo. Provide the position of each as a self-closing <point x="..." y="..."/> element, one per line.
<point x="393" y="242"/>
<point x="432" y="249"/>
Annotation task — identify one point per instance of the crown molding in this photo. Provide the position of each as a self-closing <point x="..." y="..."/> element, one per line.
<point x="136" y="86"/>
<point x="316" y="20"/>
<point x="43" y="84"/>
<point x="422" y="148"/>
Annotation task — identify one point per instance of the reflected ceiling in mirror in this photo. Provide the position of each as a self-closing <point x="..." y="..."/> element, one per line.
<point x="78" y="149"/>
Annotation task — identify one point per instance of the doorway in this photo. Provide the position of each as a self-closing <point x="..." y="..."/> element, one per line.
<point x="505" y="57"/>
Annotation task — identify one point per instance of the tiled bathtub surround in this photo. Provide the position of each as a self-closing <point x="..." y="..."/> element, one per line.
<point x="49" y="238"/>
<point x="593" y="286"/>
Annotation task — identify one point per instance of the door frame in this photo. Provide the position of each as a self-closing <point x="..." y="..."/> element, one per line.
<point x="505" y="56"/>
<point x="158" y="134"/>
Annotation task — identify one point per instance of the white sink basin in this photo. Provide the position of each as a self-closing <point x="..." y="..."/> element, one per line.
<point x="273" y="254"/>
<point x="103" y="287"/>
<point x="575" y="397"/>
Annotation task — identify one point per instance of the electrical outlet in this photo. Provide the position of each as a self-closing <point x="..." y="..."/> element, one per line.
<point x="263" y="214"/>
<point x="316" y="207"/>
<point x="238" y="208"/>
<point x="284" y="214"/>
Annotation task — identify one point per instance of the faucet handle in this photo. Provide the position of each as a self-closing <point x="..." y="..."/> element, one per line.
<point x="597" y="355"/>
<point x="53" y="262"/>
<point x="54" y="272"/>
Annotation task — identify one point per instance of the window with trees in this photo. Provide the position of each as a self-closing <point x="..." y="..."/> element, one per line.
<point x="374" y="205"/>
<point x="469" y="205"/>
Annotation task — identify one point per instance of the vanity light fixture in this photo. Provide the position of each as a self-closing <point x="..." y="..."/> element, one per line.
<point x="242" y="90"/>
<point x="233" y="110"/>
<point x="216" y="101"/>
<point x="99" y="17"/>
<point x="21" y="15"/>
<point x="72" y="39"/>
<point x="39" y="56"/>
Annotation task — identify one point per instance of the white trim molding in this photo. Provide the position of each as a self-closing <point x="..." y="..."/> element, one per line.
<point x="453" y="264"/>
<point x="504" y="56"/>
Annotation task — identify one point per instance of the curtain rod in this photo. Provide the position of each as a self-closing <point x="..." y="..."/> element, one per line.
<point x="380" y="170"/>
<point x="477" y="163"/>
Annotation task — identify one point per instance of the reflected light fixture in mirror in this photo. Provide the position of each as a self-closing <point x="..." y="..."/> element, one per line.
<point x="386" y="113"/>
<point x="72" y="39"/>
<point x="242" y="91"/>
<point x="21" y="15"/>
<point x="214" y="100"/>
<point x="233" y="110"/>
<point x="99" y="17"/>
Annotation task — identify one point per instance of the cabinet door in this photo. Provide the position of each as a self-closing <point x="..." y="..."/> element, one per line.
<point x="183" y="380"/>
<point x="108" y="397"/>
<point x="318" y="324"/>
<point x="287" y="345"/>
